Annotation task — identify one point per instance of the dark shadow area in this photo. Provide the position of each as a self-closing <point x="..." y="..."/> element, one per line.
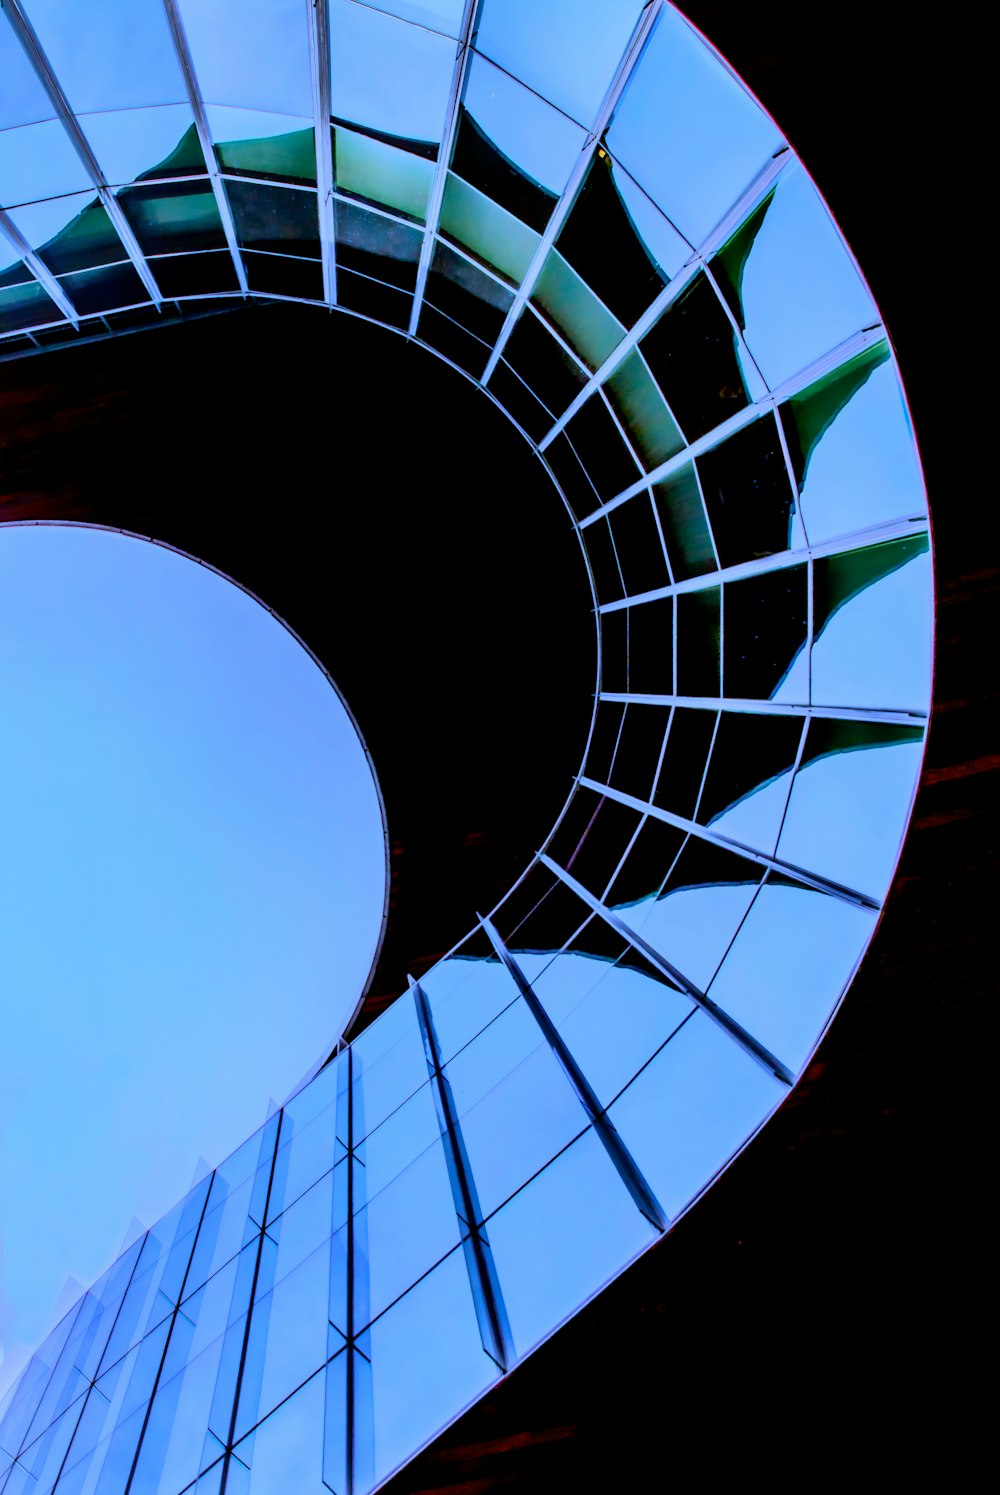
<point x="394" y="518"/>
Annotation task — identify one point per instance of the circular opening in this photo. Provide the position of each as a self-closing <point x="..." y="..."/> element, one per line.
<point x="193" y="878"/>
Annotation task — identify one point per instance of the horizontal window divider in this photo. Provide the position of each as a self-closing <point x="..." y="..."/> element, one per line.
<point x="781" y="560"/>
<point x="843" y="352"/>
<point x="746" y="1041"/>
<point x="913" y="718"/>
<point x="762" y="858"/>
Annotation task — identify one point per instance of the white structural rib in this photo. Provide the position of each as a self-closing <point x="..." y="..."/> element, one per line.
<point x="44" y="276"/>
<point x="750" y="1045"/>
<point x="193" y="87"/>
<point x="43" y="68"/>
<point x="561" y="211"/>
<point x="470" y="16"/>
<point x="319" y="53"/>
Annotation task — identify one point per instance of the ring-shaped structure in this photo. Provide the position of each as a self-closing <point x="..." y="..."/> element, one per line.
<point x="581" y="209"/>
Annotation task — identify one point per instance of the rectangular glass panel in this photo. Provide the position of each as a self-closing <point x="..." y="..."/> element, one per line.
<point x="118" y="55"/>
<point x="379" y="172"/>
<point x="141" y="143"/>
<point x="252" y="53"/>
<point x="488" y="230"/>
<point x="583" y="319"/>
<point x="275" y="146"/>
<point x="387" y="75"/>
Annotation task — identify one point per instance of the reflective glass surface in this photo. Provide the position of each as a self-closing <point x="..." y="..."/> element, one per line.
<point x="635" y="266"/>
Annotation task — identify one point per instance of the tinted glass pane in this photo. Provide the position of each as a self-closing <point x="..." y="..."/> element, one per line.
<point x="583" y="319"/>
<point x="278" y="218"/>
<point x="766" y="620"/>
<point x="748" y="493"/>
<point x="38" y="161"/>
<point x="544" y="366"/>
<point x="466" y="294"/>
<point x="253" y="53"/>
<point x="173" y="217"/>
<point x="600" y="242"/>
<point x="601" y="448"/>
<point x="636" y="398"/>
<point x="684" y="760"/>
<point x="688" y="131"/>
<point x="117" y="56"/>
<point x="69" y="233"/>
<point x="382" y="173"/>
<point x="489" y="231"/>
<point x="264" y="145"/>
<point x="749" y="776"/>
<point x="651" y="647"/>
<point x="686" y="534"/>
<point x="386" y="74"/>
<point x="692" y="352"/>
<point x="698" y="640"/>
<point x="639" y="548"/>
<point x="566" y="50"/>
<point x="378" y="246"/>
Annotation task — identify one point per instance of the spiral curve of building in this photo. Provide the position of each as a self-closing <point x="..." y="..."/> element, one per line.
<point x="581" y="209"/>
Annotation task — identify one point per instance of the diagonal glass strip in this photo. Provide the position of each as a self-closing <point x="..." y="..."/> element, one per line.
<point x="561" y="211"/>
<point x="491" y="1313"/>
<point x="205" y="138"/>
<point x="469" y="18"/>
<point x="627" y="1168"/>
<point x="32" y="46"/>
<point x="729" y="1025"/>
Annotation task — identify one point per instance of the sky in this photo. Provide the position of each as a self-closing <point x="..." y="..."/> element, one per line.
<point x="192" y="874"/>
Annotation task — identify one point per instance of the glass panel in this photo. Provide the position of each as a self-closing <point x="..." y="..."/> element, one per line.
<point x="850" y="800"/>
<point x="562" y="1238"/>
<point x="640" y="555"/>
<point x="523" y="1117"/>
<point x="23" y="100"/>
<point x="385" y="1075"/>
<point x="287" y="1340"/>
<point x="461" y="290"/>
<point x="115" y="56"/>
<point x="465" y="994"/>
<point x="251" y="52"/>
<point x="145" y="143"/>
<point x="604" y="565"/>
<point x="280" y="275"/>
<point x="38" y="161"/>
<point x="519" y="402"/>
<point x="694" y="918"/>
<point x="387" y="75"/>
<point x="69" y="233"/>
<point x="650" y="649"/>
<point x="636" y="398"/>
<point x="402" y="1232"/>
<point x="748" y="493"/>
<point x="749" y="777"/>
<point x="773" y="268"/>
<point x="599" y="241"/>
<point x="427" y="1363"/>
<point x="379" y="172"/>
<point x="684" y="760"/>
<point x="512" y="145"/>
<point x="281" y="218"/>
<point x="766" y="623"/>
<point x="394" y="1144"/>
<point x="686" y="1114"/>
<point x="566" y="50"/>
<point x="588" y="326"/>
<point x="172" y="1449"/>
<point x="612" y="1016"/>
<point x="693" y="353"/>
<point x="682" y="519"/>
<point x="598" y="443"/>
<point x="489" y="231"/>
<point x="286" y="1451"/>
<point x="543" y="364"/>
<point x="173" y="217"/>
<point x="571" y="476"/>
<point x="688" y="130"/>
<point x="592" y="838"/>
<point x="789" y="964"/>
<point x="698" y="639"/>
<point x="852" y="449"/>
<point x="264" y="145"/>
<point x="437" y="15"/>
<point x="378" y="246"/>
<point x="874" y="627"/>
<point x="98" y="290"/>
<point x="639" y="748"/>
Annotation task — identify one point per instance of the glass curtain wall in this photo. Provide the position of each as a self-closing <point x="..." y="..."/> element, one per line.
<point x="581" y="209"/>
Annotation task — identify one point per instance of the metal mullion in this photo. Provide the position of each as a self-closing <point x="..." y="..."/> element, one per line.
<point x="604" y="1129"/>
<point x="560" y="212"/>
<point x="491" y="1311"/>
<point x="772" y="708"/>
<point x="319" y="52"/>
<point x="744" y="205"/>
<point x="251" y="1303"/>
<point x="781" y="560"/>
<point x="705" y="833"/>
<point x="43" y="275"/>
<point x="43" y="68"/>
<point x="170" y="1331"/>
<point x="186" y="63"/>
<point x="470" y="16"/>
<point x="734" y="1030"/>
<point x="794" y="385"/>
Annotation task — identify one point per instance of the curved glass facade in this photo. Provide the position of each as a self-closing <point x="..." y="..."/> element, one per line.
<point x="581" y="209"/>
